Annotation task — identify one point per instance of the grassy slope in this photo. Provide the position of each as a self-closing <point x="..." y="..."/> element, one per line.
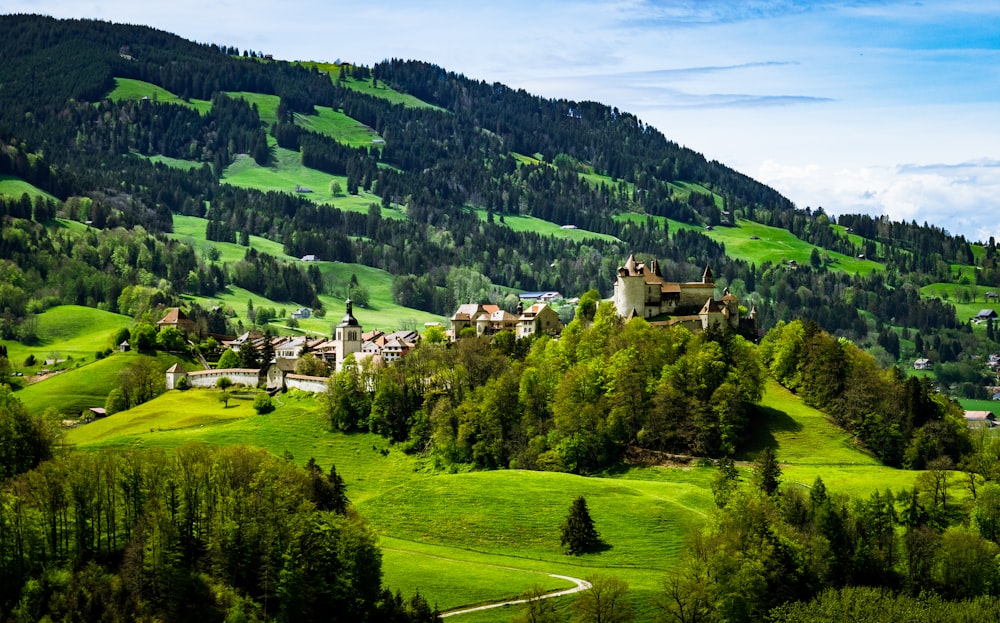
<point x="11" y="186"/>
<point x="80" y="388"/>
<point x="67" y="331"/>
<point x="481" y="536"/>
<point x="381" y="312"/>
<point x="544" y="228"/>
<point x="129" y="89"/>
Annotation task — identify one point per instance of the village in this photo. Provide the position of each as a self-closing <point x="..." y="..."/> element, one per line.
<point x="639" y="291"/>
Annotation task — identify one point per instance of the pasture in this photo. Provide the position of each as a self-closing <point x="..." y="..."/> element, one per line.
<point x="15" y="187"/>
<point x="474" y="537"/>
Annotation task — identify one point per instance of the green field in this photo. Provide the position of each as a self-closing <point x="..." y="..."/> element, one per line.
<point x="381" y="312"/>
<point x="11" y="186"/>
<point x="475" y="537"/>
<point x="287" y="172"/>
<point x="82" y="386"/>
<point x="339" y="126"/>
<point x="757" y="243"/>
<point x="366" y="87"/>
<point x="68" y="332"/>
<point x="967" y="299"/>
<point x="129" y="89"/>
<point x="544" y="228"/>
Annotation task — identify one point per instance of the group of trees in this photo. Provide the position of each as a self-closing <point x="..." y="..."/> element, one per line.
<point x="904" y="421"/>
<point x="206" y="534"/>
<point x="768" y="551"/>
<point x="576" y="404"/>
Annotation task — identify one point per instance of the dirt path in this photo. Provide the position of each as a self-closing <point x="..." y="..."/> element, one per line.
<point x="581" y="585"/>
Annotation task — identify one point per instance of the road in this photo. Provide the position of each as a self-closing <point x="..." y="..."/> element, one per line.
<point x="581" y="585"/>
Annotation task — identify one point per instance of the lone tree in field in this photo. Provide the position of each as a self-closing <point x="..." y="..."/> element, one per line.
<point x="578" y="533"/>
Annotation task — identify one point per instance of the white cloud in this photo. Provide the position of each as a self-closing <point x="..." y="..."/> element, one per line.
<point x="962" y="198"/>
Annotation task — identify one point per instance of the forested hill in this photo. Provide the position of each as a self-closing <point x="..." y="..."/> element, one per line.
<point x="127" y="126"/>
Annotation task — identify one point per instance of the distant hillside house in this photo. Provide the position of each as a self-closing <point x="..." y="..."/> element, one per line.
<point x="980" y="419"/>
<point x="309" y="258"/>
<point x="985" y="314"/>
<point x="175" y="318"/>
<point x="544" y="297"/>
<point x="922" y="364"/>
<point x="302" y="312"/>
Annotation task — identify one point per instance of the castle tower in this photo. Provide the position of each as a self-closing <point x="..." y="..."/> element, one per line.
<point x="347" y="336"/>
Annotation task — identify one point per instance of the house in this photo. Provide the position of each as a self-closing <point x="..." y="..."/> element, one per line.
<point x="980" y="419"/>
<point x="991" y="296"/>
<point x="539" y="319"/>
<point x="470" y="315"/>
<point x="544" y="297"/>
<point x="309" y="258"/>
<point x="124" y="347"/>
<point x="985" y="315"/>
<point x="289" y="348"/>
<point x="302" y="312"/>
<point x="922" y="364"/>
<point x="175" y="318"/>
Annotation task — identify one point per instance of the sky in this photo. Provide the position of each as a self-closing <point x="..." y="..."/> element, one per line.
<point x="856" y="106"/>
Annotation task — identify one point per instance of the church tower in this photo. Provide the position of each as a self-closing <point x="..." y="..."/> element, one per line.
<point x="347" y="336"/>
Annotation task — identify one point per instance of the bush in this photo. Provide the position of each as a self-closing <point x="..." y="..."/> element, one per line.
<point x="183" y="384"/>
<point x="262" y="403"/>
<point x="224" y="382"/>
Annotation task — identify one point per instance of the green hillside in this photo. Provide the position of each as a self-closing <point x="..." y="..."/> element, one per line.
<point x="483" y="536"/>
<point x="14" y="187"/>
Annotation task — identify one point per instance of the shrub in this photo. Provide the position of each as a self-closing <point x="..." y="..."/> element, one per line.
<point x="262" y="403"/>
<point x="224" y="382"/>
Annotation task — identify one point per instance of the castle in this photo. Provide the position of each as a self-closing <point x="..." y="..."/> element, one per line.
<point x="641" y="291"/>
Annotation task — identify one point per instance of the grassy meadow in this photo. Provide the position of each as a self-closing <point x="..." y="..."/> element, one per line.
<point x="68" y="332"/>
<point x="544" y="228"/>
<point x="476" y="537"/>
<point x="15" y="187"/>
<point x="130" y="89"/>
<point x="381" y="312"/>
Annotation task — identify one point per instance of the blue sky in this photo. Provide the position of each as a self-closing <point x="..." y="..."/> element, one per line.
<point x="881" y="107"/>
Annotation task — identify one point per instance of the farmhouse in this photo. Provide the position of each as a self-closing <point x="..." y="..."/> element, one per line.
<point x="175" y="318"/>
<point x="922" y="364"/>
<point x="980" y="419"/>
<point x="985" y="315"/>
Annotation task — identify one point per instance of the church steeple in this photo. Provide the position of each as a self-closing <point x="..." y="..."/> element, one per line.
<point x="707" y="276"/>
<point x="347" y="335"/>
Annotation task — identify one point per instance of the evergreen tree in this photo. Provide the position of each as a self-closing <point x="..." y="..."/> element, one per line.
<point x="578" y="533"/>
<point x="767" y="474"/>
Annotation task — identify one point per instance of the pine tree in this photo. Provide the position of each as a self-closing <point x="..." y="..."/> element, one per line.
<point x="767" y="473"/>
<point x="578" y="533"/>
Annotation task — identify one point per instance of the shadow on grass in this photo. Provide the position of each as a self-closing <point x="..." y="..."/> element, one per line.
<point x="766" y="421"/>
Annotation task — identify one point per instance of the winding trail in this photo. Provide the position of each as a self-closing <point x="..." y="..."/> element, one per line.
<point x="581" y="585"/>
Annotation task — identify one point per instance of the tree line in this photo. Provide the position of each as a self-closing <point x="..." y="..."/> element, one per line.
<point x="201" y="534"/>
